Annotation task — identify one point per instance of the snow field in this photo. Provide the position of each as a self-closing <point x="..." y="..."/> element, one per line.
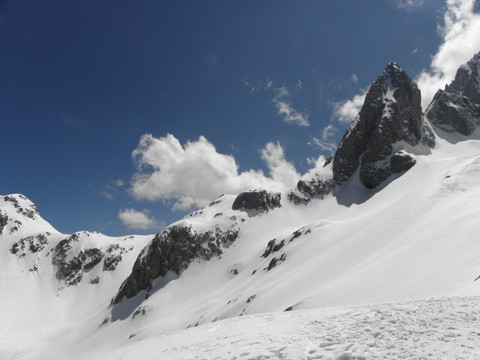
<point x="445" y="328"/>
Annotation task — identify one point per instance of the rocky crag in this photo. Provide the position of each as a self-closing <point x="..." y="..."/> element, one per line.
<point x="383" y="140"/>
<point x="457" y="107"/>
<point x="389" y="124"/>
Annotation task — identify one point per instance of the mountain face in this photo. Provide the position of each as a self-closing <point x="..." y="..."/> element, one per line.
<point x="389" y="121"/>
<point x="74" y="257"/>
<point x="412" y="234"/>
<point x="83" y="257"/>
<point x="172" y="250"/>
<point x="457" y="107"/>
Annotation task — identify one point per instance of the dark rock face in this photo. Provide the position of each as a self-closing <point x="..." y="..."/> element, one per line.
<point x="173" y="250"/>
<point x="278" y="246"/>
<point x="272" y="247"/>
<point x="3" y="221"/>
<point x="30" y="244"/>
<point x="257" y="200"/>
<point x="113" y="257"/>
<point x="390" y="115"/>
<point x="457" y="108"/>
<point x="71" y="271"/>
<point x="313" y="188"/>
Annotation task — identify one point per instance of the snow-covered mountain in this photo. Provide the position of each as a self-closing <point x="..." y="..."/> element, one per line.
<point x="375" y="255"/>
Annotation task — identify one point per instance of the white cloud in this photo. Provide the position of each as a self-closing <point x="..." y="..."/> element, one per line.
<point x="324" y="145"/>
<point x="106" y="193"/>
<point x="409" y="4"/>
<point x="281" y="170"/>
<point x="299" y="85"/>
<point x="284" y="107"/>
<point x="461" y="40"/>
<point x="195" y="173"/>
<point x="355" y="78"/>
<point x="110" y="191"/>
<point x="282" y="100"/>
<point x="134" y="219"/>
<point x="328" y="131"/>
<point x="346" y="111"/>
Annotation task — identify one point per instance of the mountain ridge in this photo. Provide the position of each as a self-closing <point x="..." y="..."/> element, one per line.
<point x="391" y="217"/>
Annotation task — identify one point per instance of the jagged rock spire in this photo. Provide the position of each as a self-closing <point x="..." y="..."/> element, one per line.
<point x="457" y="108"/>
<point x="390" y="116"/>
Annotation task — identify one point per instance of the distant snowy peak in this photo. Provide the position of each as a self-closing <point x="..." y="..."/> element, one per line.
<point x="389" y="125"/>
<point x="457" y="108"/>
<point x="16" y="210"/>
<point x="80" y="256"/>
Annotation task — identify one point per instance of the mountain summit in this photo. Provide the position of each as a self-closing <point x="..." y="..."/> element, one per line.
<point x="389" y="125"/>
<point x="457" y="107"/>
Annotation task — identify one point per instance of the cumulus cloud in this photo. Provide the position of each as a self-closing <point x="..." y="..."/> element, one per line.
<point x="460" y="32"/>
<point x="345" y="111"/>
<point x="134" y="219"/>
<point x="281" y="171"/>
<point x="354" y="78"/>
<point x="195" y="173"/>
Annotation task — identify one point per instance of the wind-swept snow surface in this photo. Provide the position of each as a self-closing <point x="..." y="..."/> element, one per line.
<point x="446" y="328"/>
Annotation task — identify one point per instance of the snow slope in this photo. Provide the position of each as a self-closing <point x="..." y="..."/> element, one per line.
<point x="38" y="309"/>
<point x="415" y="238"/>
<point x="330" y="269"/>
<point x="445" y="328"/>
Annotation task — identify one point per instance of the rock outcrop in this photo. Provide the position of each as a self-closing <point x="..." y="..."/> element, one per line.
<point x="30" y="244"/>
<point x="257" y="200"/>
<point x="23" y="205"/>
<point x="70" y="269"/>
<point x="389" y="120"/>
<point x="457" y="107"/>
<point x="172" y="250"/>
<point x="312" y="188"/>
<point x="3" y="221"/>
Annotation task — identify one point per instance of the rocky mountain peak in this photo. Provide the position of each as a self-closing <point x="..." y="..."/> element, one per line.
<point x="467" y="80"/>
<point x="16" y="209"/>
<point x="457" y="107"/>
<point x="389" y="121"/>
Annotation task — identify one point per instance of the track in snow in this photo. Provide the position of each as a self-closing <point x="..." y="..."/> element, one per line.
<point x="447" y="328"/>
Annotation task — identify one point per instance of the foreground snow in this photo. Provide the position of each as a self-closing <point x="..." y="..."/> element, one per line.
<point x="447" y="328"/>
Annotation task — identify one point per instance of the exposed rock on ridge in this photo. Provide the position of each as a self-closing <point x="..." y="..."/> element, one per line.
<point x="71" y="271"/>
<point x="312" y="188"/>
<point x="457" y="108"/>
<point x="389" y="120"/>
<point x="260" y="200"/>
<point x="172" y="250"/>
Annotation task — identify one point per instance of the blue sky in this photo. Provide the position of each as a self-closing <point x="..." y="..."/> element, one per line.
<point x="210" y="96"/>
